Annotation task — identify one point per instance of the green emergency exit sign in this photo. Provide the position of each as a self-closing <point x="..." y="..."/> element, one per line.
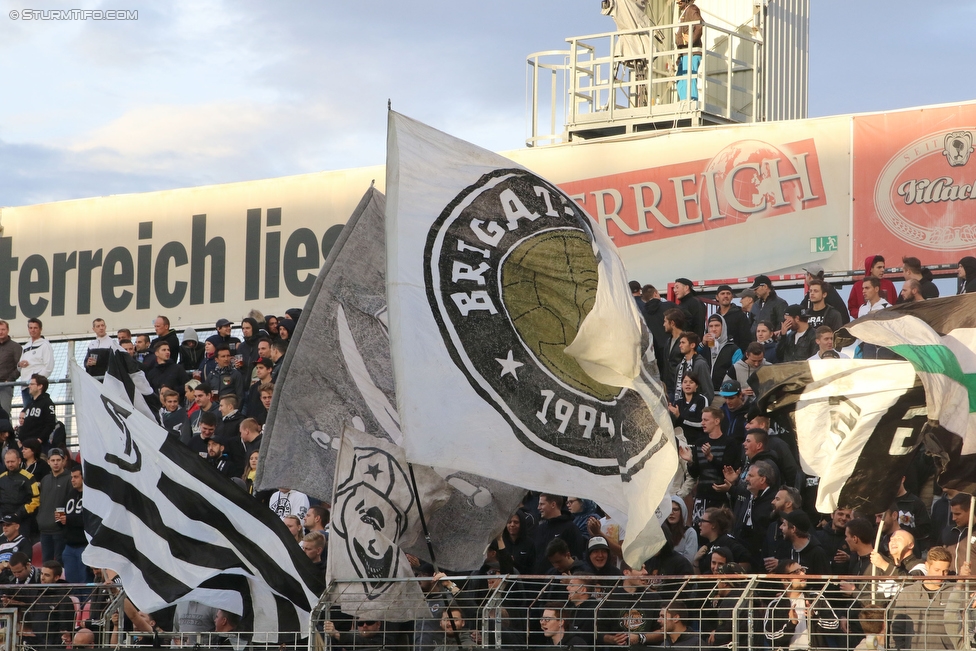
<point x="822" y="244"/>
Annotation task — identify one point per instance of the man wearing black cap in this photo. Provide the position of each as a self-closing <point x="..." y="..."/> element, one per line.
<point x="11" y="543"/>
<point x="767" y="306"/>
<point x="797" y="341"/>
<point x="217" y="457"/>
<point x="737" y="324"/>
<point x="684" y="291"/>
<point x="806" y="551"/>
<point x="735" y="411"/>
<point x="223" y="336"/>
<point x="635" y="291"/>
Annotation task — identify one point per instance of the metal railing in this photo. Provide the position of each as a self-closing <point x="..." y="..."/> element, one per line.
<point x="726" y="611"/>
<point x="37" y="615"/>
<point x="599" y="83"/>
<point x="61" y="615"/>
<point x="520" y="612"/>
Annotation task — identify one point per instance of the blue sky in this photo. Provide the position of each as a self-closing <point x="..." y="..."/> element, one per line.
<point x="212" y="91"/>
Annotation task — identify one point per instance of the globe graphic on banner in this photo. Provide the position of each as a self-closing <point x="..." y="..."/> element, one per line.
<point x="750" y="164"/>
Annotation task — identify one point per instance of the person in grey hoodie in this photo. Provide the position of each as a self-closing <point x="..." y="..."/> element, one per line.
<point x="54" y="493"/>
<point x="191" y="352"/>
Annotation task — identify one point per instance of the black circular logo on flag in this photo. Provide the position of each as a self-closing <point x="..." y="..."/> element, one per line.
<point x="512" y="273"/>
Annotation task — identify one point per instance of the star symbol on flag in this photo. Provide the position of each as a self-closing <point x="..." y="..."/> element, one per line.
<point x="374" y="470"/>
<point x="509" y="365"/>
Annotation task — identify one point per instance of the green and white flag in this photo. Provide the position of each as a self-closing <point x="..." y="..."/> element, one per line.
<point x="938" y="337"/>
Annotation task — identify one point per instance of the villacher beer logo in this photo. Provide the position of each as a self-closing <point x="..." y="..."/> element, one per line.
<point x="512" y="273"/>
<point x="926" y="194"/>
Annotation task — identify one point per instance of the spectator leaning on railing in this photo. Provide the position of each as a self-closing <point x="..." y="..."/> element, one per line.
<point x="10" y="352"/>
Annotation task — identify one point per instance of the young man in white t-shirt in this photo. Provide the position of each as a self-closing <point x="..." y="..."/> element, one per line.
<point x="871" y="288"/>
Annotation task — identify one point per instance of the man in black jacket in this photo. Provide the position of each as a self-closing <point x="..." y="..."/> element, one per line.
<point x="226" y="379"/>
<point x="163" y="333"/>
<point x="806" y="549"/>
<point x="674" y="325"/>
<point x="555" y="523"/>
<point x="229" y="433"/>
<point x="19" y="493"/>
<point x="166" y="372"/>
<point x="72" y="521"/>
<point x="738" y="326"/>
<point x="653" y="310"/>
<point x="797" y="341"/>
<point x="688" y="302"/>
<point x="53" y="490"/>
<point x="815" y="272"/>
<point x="754" y="508"/>
<point x="40" y="418"/>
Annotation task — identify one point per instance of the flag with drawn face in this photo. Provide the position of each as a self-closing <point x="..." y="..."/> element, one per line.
<point x="517" y="346"/>
<point x="338" y="372"/>
<point x="373" y="510"/>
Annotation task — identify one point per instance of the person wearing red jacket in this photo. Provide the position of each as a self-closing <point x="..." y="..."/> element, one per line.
<point x="874" y="265"/>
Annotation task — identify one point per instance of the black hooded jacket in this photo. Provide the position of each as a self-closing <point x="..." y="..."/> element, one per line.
<point x="968" y="286"/>
<point x="654" y="311"/>
<point x="562" y="526"/>
<point x="248" y="350"/>
<point x="521" y="550"/>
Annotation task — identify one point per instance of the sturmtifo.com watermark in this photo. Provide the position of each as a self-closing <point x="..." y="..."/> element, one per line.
<point x="74" y="14"/>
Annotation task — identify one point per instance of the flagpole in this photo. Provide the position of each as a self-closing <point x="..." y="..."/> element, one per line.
<point x="969" y="552"/>
<point x="969" y="532"/>
<point x="423" y="521"/>
<point x="877" y="545"/>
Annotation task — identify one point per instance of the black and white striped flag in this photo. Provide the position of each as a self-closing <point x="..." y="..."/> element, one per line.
<point x="128" y="377"/>
<point x="174" y="529"/>
<point x="858" y="424"/>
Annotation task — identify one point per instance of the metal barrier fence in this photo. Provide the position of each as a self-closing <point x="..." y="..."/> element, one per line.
<point x="61" y="615"/>
<point x="710" y="612"/>
<point x="37" y="615"/>
<point x="735" y="611"/>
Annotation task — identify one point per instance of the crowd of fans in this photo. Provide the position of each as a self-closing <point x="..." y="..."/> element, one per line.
<point x="741" y="504"/>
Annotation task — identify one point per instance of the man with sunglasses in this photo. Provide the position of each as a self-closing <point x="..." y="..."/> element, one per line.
<point x="368" y="634"/>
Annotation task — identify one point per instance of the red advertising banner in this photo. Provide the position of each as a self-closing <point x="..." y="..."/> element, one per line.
<point x="746" y="180"/>
<point x="914" y="184"/>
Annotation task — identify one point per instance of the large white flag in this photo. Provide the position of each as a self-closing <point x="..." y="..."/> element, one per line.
<point x="374" y="509"/>
<point x="175" y="529"/>
<point x="516" y="343"/>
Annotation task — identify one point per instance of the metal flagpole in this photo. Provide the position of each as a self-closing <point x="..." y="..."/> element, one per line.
<point x="430" y="547"/>
<point x="877" y="545"/>
<point x="423" y="521"/>
<point x="969" y="531"/>
<point x="967" y="603"/>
